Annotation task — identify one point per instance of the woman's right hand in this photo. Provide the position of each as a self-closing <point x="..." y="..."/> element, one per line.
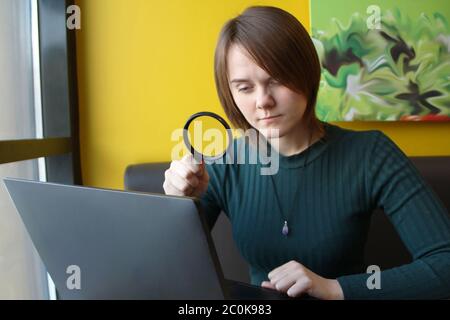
<point x="185" y="177"/>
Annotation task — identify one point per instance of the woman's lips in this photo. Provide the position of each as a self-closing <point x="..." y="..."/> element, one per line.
<point x="270" y="119"/>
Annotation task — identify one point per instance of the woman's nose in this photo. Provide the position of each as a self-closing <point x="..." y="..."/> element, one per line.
<point x="264" y="100"/>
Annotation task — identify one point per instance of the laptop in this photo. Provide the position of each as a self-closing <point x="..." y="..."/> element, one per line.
<point x="112" y="244"/>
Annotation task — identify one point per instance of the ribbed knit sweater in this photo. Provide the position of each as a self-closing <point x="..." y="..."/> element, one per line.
<point x="327" y="194"/>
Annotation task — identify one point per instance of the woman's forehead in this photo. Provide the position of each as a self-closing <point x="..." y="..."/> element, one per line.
<point x="241" y="66"/>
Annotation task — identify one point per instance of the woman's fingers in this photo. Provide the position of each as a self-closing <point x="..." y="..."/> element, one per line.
<point x="173" y="186"/>
<point x="290" y="285"/>
<point x="184" y="172"/>
<point x="179" y="183"/>
<point x="192" y="165"/>
<point x="300" y="287"/>
<point x="291" y="278"/>
<point x="284" y="283"/>
<point x="279" y="272"/>
<point x="186" y="178"/>
<point x="268" y="285"/>
<point x="202" y="187"/>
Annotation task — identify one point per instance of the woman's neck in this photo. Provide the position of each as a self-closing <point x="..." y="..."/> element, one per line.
<point x="295" y="141"/>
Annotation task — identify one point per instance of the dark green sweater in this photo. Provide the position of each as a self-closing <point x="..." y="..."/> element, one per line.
<point x="329" y="192"/>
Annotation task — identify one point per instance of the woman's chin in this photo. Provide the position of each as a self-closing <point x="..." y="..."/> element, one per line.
<point x="270" y="132"/>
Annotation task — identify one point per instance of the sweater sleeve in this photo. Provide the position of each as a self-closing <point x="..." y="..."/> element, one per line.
<point x="211" y="201"/>
<point x="421" y="220"/>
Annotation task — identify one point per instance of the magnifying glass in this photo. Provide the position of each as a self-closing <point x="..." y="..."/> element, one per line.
<point x="207" y="136"/>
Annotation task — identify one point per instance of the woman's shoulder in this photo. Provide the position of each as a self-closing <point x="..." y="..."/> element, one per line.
<point x="353" y="138"/>
<point x="359" y="144"/>
<point x="348" y="133"/>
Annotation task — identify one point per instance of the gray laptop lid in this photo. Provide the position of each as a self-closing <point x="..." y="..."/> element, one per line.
<point x="127" y="245"/>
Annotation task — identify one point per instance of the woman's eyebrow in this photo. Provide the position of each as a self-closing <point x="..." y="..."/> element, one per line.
<point x="239" y="80"/>
<point x="247" y="80"/>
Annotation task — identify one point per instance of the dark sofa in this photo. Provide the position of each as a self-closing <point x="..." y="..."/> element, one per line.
<point x="384" y="247"/>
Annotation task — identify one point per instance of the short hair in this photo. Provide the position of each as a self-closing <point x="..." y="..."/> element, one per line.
<point x="279" y="44"/>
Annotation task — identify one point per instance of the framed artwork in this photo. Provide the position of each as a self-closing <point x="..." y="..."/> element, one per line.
<point x="388" y="61"/>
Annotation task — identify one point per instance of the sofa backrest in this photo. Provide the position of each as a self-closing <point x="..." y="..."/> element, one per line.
<point x="384" y="247"/>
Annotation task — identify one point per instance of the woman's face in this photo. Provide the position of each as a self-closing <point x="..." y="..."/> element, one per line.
<point x="265" y="103"/>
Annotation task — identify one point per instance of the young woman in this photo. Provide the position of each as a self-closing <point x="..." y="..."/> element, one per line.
<point x="303" y="229"/>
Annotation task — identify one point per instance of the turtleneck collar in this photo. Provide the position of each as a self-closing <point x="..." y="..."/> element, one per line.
<point x="308" y="155"/>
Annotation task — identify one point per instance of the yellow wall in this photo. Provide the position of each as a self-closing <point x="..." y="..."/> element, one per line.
<point x="146" y="65"/>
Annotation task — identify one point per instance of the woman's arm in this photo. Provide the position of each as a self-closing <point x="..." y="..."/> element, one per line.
<point x="211" y="201"/>
<point x="394" y="184"/>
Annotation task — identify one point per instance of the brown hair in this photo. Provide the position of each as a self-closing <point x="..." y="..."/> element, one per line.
<point x="279" y="44"/>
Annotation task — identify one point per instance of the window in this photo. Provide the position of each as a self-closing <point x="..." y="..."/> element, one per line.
<point x="38" y="126"/>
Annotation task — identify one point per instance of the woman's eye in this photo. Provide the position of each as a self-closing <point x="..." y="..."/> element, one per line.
<point x="243" y="89"/>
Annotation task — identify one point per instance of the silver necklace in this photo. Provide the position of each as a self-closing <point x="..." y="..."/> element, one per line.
<point x="285" y="228"/>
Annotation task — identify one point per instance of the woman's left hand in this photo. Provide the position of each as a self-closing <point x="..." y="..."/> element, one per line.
<point x="295" y="279"/>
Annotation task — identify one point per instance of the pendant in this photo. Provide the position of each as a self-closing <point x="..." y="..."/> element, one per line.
<point x="285" y="230"/>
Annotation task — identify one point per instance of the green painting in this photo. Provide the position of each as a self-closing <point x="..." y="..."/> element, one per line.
<point x="383" y="60"/>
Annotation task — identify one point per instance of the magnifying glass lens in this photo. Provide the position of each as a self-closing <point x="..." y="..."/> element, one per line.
<point x="208" y="136"/>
